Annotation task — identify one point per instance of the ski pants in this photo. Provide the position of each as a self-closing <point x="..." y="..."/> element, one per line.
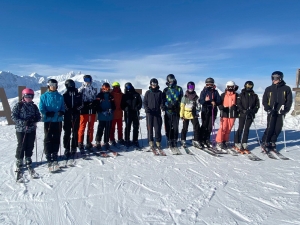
<point x="242" y="133"/>
<point x="119" y="124"/>
<point x="226" y="125"/>
<point x="25" y="144"/>
<point x="71" y="126"/>
<point x="154" y="121"/>
<point x="52" y="132"/>
<point x="206" y="126"/>
<point x="171" y="126"/>
<point x="196" y="128"/>
<point x="90" y="120"/>
<point x="134" y="119"/>
<point x="273" y="129"/>
<point x="103" y="127"/>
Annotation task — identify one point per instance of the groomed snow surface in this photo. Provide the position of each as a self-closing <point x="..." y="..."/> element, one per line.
<point x="140" y="188"/>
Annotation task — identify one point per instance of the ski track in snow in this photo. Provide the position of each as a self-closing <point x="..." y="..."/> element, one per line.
<point x="140" y="188"/>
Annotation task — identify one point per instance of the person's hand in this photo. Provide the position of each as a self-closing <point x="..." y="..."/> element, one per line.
<point x="207" y="98"/>
<point x="213" y="103"/>
<point x="272" y="112"/>
<point x="182" y="118"/>
<point x="233" y="107"/>
<point x="50" y="114"/>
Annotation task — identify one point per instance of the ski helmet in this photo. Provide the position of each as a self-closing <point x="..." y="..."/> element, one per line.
<point x="105" y="87"/>
<point x="230" y="86"/>
<point x="53" y="83"/>
<point x="249" y="85"/>
<point x="190" y="86"/>
<point x="209" y="81"/>
<point x="128" y="86"/>
<point x="277" y="75"/>
<point x="87" y="78"/>
<point x="70" y="84"/>
<point x="114" y="84"/>
<point x="27" y="93"/>
<point x="154" y="82"/>
<point x="170" y="79"/>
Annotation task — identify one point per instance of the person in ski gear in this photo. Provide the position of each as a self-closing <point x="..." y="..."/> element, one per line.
<point x="153" y="105"/>
<point x="228" y="113"/>
<point x="131" y="104"/>
<point x="172" y="96"/>
<point x="105" y="112"/>
<point x="25" y="114"/>
<point x="52" y="108"/>
<point x="118" y="115"/>
<point x="73" y="105"/>
<point x="189" y="111"/>
<point x="248" y="105"/>
<point x="87" y="113"/>
<point x="209" y="100"/>
<point x="277" y="102"/>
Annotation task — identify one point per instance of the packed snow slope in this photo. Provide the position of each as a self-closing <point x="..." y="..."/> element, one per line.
<point x="140" y="188"/>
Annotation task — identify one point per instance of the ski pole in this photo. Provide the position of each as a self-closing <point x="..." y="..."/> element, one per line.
<point x="36" y="149"/>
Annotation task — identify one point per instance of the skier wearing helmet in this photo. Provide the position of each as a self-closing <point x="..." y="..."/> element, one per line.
<point x="228" y="114"/>
<point x="25" y="114"/>
<point x="87" y="114"/>
<point x="52" y="108"/>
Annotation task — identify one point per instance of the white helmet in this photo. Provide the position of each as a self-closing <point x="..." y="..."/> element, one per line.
<point x="230" y="83"/>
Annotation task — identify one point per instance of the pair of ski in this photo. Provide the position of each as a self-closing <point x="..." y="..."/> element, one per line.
<point x="249" y="154"/>
<point x="206" y="149"/>
<point x="157" y="151"/>
<point x="106" y="154"/>
<point x="54" y="167"/>
<point x="175" y="150"/>
<point x="20" y="174"/>
<point x="272" y="152"/>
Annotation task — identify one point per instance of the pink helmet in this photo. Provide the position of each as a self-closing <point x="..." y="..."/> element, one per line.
<point x="27" y="91"/>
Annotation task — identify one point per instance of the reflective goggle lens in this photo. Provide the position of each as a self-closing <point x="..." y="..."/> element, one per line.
<point x="52" y="84"/>
<point x="87" y="79"/>
<point x="230" y="87"/>
<point x="191" y="87"/>
<point x="276" y="77"/>
<point x="28" y="96"/>
<point x="153" y="84"/>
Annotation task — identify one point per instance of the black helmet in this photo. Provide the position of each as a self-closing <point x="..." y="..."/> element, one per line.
<point x="52" y="82"/>
<point x="277" y="75"/>
<point x="209" y="81"/>
<point x="70" y="84"/>
<point x="154" y="81"/>
<point x="128" y="86"/>
<point x="170" y="79"/>
<point x="87" y="78"/>
<point x="248" y="85"/>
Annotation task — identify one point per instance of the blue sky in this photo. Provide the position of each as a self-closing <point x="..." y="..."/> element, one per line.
<point x="227" y="40"/>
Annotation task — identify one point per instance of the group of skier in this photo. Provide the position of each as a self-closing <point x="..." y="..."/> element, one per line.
<point x="77" y="108"/>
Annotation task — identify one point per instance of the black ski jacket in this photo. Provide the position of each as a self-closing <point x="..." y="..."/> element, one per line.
<point x="131" y="101"/>
<point x="153" y="101"/>
<point x="73" y="102"/>
<point x="278" y="97"/>
<point x="247" y="100"/>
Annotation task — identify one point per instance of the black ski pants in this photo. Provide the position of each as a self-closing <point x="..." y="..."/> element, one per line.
<point x="25" y="144"/>
<point x="196" y="128"/>
<point x="52" y="132"/>
<point x="207" y="125"/>
<point x="103" y="127"/>
<point x="71" y="126"/>
<point x="242" y="134"/>
<point x="132" y="118"/>
<point x="171" y="126"/>
<point x="154" y="121"/>
<point x="274" y="127"/>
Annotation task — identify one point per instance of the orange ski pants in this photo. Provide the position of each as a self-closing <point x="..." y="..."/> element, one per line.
<point x="90" y="120"/>
<point x="226" y="125"/>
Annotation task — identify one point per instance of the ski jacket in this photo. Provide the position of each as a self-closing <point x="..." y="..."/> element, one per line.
<point x="247" y="100"/>
<point x="89" y="94"/>
<point x="73" y="102"/>
<point x="25" y="111"/>
<point x="106" y="106"/>
<point x="51" y="101"/>
<point x="190" y="106"/>
<point x="153" y="101"/>
<point x="117" y="95"/>
<point x="213" y="96"/>
<point x="131" y="101"/>
<point x="278" y="97"/>
<point x="228" y="105"/>
<point x="172" y="98"/>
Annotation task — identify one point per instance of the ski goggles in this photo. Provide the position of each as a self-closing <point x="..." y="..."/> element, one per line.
<point x="209" y="85"/>
<point x="128" y="86"/>
<point x="28" y="96"/>
<point x="154" y="84"/>
<point x="230" y="87"/>
<point x="249" y="86"/>
<point x="191" y="87"/>
<point x="276" y="77"/>
<point x="171" y="80"/>
<point x="105" y="88"/>
<point x="50" y="84"/>
<point x="87" y="79"/>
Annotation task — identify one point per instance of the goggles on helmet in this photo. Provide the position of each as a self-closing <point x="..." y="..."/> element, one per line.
<point x="230" y="87"/>
<point x="87" y="79"/>
<point x="276" y="77"/>
<point x="128" y="86"/>
<point x="191" y="87"/>
<point x="28" y="96"/>
<point x="153" y="84"/>
<point x="52" y="84"/>
<point x="209" y="85"/>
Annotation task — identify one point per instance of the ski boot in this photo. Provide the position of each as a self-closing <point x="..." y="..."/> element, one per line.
<point x="159" y="148"/>
<point x="81" y="149"/>
<point x="121" y="142"/>
<point x="136" y="145"/>
<point x="197" y="144"/>
<point x="221" y="148"/>
<point x="31" y="171"/>
<point x="245" y="148"/>
<point x="183" y="143"/>
<point x="19" y="172"/>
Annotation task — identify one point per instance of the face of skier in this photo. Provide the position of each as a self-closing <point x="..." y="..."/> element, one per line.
<point x="209" y="86"/>
<point x="28" y="98"/>
<point x="153" y="85"/>
<point x="230" y="88"/>
<point x="191" y="88"/>
<point x="53" y="87"/>
<point x="276" y="79"/>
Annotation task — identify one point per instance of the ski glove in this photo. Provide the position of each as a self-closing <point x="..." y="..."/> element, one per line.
<point x="272" y="112"/>
<point x="233" y="107"/>
<point x="28" y="123"/>
<point x="50" y="114"/>
<point x="61" y="113"/>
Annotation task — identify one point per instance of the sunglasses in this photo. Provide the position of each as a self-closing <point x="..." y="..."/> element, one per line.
<point x="276" y="77"/>
<point x="87" y="79"/>
<point x="28" y="96"/>
<point x="191" y="87"/>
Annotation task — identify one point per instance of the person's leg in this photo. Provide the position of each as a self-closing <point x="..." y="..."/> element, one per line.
<point x="112" y="130"/>
<point x="90" y="133"/>
<point x="30" y="138"/>
<point x="185" y="126"/>
<point x="19" y="151"/>
<point x="82" y="124"/>
<point x="277" y="128"/>
<point x="120" y="128"/>
<point x="196" y="128"/>
<point x="135" y="125"/>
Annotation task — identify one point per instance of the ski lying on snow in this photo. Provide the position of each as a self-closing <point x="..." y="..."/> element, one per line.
<point x="282" y="157"/>
<point x="187" y="150"/>
<point x="249" y="154"/>
<point x="267" y="152"/>
<point x="175" y="151"/>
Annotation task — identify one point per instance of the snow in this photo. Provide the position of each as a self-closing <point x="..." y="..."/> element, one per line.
<point x="140" y="188"/>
